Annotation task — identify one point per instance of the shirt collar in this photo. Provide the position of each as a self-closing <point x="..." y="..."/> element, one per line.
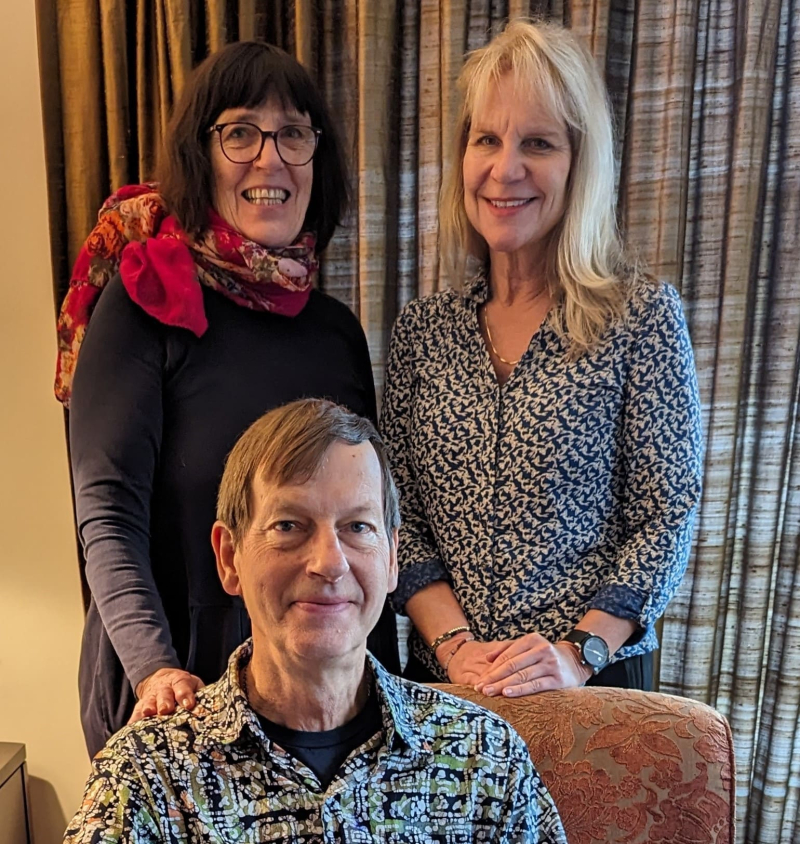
<point x="225" y="714"/>
<point x="403" y="718"/>
<point x="476" y="287"/>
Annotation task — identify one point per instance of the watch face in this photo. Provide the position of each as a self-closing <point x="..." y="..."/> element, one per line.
<point x="595" y="651"/>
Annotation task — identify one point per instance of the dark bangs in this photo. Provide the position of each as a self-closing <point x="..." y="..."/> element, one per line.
<point x="245" y="75"/>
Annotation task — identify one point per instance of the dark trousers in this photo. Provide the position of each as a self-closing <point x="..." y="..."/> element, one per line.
<point x="636" y="672"/>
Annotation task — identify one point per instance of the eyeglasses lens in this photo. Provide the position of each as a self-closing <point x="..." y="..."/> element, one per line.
<point x="241" y="143"/>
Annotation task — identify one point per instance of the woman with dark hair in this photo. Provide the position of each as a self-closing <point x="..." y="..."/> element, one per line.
<point x="208" y="317"/>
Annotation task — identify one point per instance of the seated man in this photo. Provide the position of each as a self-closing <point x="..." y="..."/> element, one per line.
<point x="306" y="738"/>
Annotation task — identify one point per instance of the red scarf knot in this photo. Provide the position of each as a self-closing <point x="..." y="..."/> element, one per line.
<point x="163" y="271"/>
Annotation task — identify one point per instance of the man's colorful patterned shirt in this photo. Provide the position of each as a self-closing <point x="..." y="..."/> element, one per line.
<point x="441" y="770"/>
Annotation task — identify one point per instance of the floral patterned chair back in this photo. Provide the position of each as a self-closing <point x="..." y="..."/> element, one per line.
<point x="627" y="766"/>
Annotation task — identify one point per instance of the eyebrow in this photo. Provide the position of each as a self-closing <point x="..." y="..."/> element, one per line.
<point x="253" y="116"/>
<point x="539" y="132"/>
<point x="291" y="508"/>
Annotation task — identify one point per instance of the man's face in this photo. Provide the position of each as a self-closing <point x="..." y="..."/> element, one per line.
<point x="316" y="564"/>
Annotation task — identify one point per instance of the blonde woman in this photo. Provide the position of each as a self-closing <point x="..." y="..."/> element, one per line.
<point x="543" y="421"/>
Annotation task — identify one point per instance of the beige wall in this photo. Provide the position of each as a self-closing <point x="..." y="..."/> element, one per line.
<point x="40" y="604"/>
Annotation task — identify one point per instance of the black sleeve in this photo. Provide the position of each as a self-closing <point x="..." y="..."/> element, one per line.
<point x="370" y="409"/>
<point x="348" y="322"/>
<point x="115" y="437"/>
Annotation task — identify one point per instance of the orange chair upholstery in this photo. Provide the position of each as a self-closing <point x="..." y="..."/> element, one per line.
<point x="627" y="766"/>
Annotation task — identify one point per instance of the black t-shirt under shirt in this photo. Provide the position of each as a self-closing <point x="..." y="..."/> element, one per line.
<point x="325" y="751"/>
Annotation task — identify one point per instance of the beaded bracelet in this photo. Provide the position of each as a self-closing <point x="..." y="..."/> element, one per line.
<point x="452" y="653"/>
<point x="440" y="640"/>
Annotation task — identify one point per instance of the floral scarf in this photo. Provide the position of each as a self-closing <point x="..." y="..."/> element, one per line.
<point x="161" y="266"/>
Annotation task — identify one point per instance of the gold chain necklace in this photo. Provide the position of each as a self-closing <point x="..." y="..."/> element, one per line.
<point x="489" y="332"/>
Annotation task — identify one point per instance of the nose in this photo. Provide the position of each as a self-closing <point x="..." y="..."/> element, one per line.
<point x="269" y="159"/>
<point x="509" y="165"/>
<point x="327" y="559"/>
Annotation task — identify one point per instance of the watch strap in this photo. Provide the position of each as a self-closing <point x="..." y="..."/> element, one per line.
<point x="578" y="638"/>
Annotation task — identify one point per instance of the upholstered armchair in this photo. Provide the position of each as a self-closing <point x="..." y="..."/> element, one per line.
<point x="627" y="766"/>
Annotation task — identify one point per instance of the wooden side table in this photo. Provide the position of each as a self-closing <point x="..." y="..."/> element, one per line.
<point x="14" y="817"/>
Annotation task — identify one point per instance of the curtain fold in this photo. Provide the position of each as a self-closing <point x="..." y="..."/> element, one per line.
<point x="429" y="144"/>
<point x="338" y="74"/>
<point x="376" y="25"/>
<point x="706" y="97"/>
<point x="82" y="116"/>
<point x="656" y="86"/>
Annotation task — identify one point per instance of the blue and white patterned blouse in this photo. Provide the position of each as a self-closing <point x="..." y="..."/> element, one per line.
<point x="573" y="486"/>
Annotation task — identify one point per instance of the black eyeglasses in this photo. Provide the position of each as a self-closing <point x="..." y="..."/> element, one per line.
<point x="242" y="143"/>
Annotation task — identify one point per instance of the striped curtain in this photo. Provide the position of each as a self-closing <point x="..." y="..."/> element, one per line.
<point x="706" y="95"/>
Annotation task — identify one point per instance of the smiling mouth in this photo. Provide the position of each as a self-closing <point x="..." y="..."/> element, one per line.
<point x="510" y="203"/>
<point x="265" y="196"/>
<point x="323" y="606"/>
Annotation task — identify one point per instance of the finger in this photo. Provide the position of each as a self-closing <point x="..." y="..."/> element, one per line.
<point x="184" y="690"/>
<point x="498" y="649"/>
<point x="519" y="650"/>
<point x="533" y="677"/>
<point x="184" y="693"/>
<point x="136" y="715"/>
<point x="499" y="665"/>
<point x="144" y="709"/>
<point x="510" y="664"/>
<point x="511" y="648"/>
<point x="531" y="674"/>
<point x="165" y="700"/>
<point x="533" y="687"/>
<point x="147" y="705"/>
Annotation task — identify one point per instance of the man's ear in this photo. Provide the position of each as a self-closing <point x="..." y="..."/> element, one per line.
<point x="225" y="552"/>
<point x="393" y="543"/>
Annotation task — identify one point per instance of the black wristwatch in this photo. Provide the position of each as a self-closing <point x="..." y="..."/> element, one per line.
<point x="592" y="649"/>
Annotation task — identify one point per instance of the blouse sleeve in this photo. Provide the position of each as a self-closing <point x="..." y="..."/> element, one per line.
<point x="663" y="453"/>
<point x="115" y="437"/>
<point x="418" y="557"/>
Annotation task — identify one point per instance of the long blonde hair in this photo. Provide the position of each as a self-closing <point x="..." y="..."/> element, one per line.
<point x="586" y="263"/>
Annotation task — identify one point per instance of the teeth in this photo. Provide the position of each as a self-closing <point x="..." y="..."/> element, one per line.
<point x="266" y="196"/>
<point x="514" y="203"/>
